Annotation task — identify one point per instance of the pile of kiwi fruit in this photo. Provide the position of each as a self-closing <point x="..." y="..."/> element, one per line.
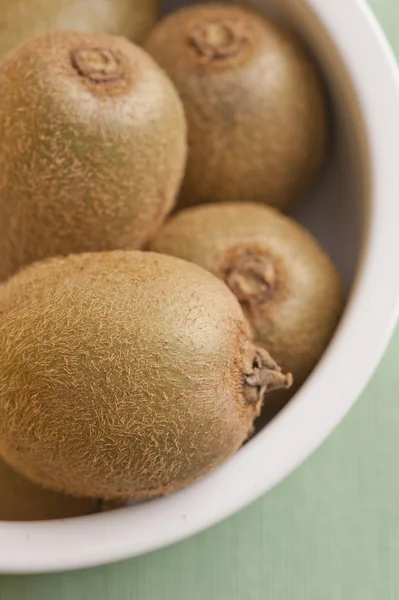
<point x="158" y="303"/>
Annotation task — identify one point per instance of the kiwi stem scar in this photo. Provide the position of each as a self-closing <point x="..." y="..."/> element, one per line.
<point x="252" y="278"/>
<point x="218" y="40"/>
<point x="266" y="376"/>
<point x="99" y="65"/>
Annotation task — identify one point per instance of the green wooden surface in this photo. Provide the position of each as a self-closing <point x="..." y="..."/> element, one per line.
<point x="329" y="532"/>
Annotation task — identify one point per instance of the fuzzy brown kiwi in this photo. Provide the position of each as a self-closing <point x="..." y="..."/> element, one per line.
<point x="289" y="289"/>
<point x="254" y="101"/>
<point x="22" y="500"/>
<point x="23" y="19"/>
<point x="93" y="147"/>
<point x="125" y="374"/>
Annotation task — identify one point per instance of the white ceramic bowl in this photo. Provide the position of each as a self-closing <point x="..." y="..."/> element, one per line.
<point x="354" y="212"/>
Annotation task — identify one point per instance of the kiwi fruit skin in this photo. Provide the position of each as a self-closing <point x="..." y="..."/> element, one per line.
<point x="123" y="374"/>
<point x="255" y="105"/>
<point x="22" y="500"/>
<point x="93" y="147"/>
<point x="25" y="19"/>
<point x="289" y="289"/>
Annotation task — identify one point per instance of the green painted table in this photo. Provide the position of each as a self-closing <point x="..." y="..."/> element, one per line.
<point x="329" y="532"/>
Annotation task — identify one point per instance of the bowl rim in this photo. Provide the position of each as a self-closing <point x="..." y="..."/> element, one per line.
<point x="94" y="540"/>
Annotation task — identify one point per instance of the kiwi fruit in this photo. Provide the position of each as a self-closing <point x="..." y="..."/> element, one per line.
<point x="93" y="147"/>
<point x="21" y="500"/>
<point x="21" y="20"/>
<point x="254" y="101"/>
<point x="125" y="374"/>
<point x="288" y="287"/>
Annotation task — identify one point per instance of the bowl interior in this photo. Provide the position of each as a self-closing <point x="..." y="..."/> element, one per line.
<point x="334" y="211"/>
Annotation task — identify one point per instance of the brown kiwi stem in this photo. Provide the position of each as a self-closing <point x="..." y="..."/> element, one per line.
<point x="99" y="65"/>
<point x="252" y="278"/>
<point x="266" y="376"/>
<point x="218" y="40"/>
